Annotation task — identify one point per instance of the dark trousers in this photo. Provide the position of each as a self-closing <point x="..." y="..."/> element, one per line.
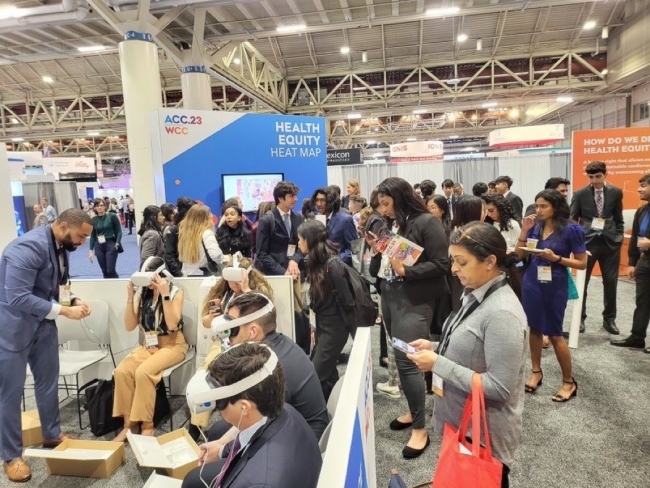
<point x="642" y="311"/>
<point x="106" y="255"/>
<point x="130" y="221"/>
<point x="609" y="261"/>
<point x="331" y="336"/>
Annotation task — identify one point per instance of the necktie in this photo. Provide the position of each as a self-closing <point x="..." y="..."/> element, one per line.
<point x="451" y="211"/>
<point x="230" y="460"/>
<point x="599" y="202"/>
<point x="287" y="223"/>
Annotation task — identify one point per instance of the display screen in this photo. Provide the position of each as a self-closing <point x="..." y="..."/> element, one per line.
<point x="253" y="189"/>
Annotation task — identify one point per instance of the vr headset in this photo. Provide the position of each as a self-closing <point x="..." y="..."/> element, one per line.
<point x="205" y="393"/>
<point x="234" y="272"/>
<point x="224" y="326"/>
<point x="145" y="278"/>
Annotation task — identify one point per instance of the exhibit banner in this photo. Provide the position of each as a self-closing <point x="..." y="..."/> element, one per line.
<point x="625" y="150"/>
<point x="19" y="160"/>
<point x="409" y="152"/>
<point x="350" y="461"/>
<point x="526" y="135"/>
<point x="197" y="149"/>
<point x="81" y="164"/>
<point x="338" y="157"/>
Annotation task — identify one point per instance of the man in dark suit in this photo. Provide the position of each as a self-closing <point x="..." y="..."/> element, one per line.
<point x="302" y="387"/>
<point x="277" y="235"/>
<point x="275" y="446"/>
<point x="598" y="208"/>
<point x="555" y="183"/>
<point x="503" y="185"/>
<point x="639" y="270"/>
<point x="340" y="226"/>
<point x="34" y="272"/>
<point x="448" y="190"/>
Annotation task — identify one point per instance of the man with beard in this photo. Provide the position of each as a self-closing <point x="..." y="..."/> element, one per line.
<point x="34" y="274"/>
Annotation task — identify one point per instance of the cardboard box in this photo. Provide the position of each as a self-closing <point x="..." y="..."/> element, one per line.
<point x="159" y="481"/>
<point x="176" y="452"/>
<point x="32" y="433"/>
<point x="87" y="459"/>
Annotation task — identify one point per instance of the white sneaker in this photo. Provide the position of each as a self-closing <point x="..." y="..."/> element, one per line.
<point x="386" y="389"/>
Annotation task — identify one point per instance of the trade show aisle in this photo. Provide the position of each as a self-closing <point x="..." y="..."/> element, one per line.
<point x="127" y="263"/>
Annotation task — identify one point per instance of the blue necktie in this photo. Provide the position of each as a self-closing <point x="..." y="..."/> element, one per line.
<point x="287" y="223"/>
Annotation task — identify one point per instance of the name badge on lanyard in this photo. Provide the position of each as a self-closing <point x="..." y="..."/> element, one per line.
<point x="598" y="223"/>
<point x="437" y="385"/>
<point x="544" y="274"/>
<point x="291" y="250"/>
<point x="101" y="239"/>
<point x="151" y="340"/>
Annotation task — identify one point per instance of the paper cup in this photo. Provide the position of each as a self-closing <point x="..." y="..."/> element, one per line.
<point x="531" y="243"/>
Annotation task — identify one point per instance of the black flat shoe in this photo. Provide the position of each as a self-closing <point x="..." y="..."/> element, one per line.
<point x="383" y="362"/>
<point x="411" y="453"/>
<point x="397" y="425"/>
<point x="629" y="342"/>
<point x="582" y="327"/>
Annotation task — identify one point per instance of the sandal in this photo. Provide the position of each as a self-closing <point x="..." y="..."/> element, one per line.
<point x="561" y="399"/>
<point x="530" y="388"/>
<point x="546" y="343"/>
<point x="378" y="320"/>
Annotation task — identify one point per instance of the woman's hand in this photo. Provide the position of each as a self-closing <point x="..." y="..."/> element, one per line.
<point x="549" y="255"/>
<point x="528" y="223"/>
<point x="371" y="240"/>
<point x="162" y="285"/>
<point x="91" y="254"/>
<point x="643" y="243"/>
<point x="207" y="319"/>
<point x="130" y="290"/>
<point x="422" y="345"/>
<point x="424" y="360"/>
<point x="398" y="267"/>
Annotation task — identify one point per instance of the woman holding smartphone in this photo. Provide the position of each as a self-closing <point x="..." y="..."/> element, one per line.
<point x="409" y="294"/>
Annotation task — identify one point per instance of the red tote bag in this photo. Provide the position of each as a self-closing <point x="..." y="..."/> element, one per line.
<point x="475" y="467"/>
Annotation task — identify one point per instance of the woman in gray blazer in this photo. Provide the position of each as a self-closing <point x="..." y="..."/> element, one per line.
<point x="488" y="336"/>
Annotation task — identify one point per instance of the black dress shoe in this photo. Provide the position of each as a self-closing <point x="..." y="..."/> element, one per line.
<point x="610" y="326"/>
<point x="647" y="350"/>
<point x="411" y="453"/>
<point x="629" y="342"/>
<point x="582" y="326"/>
<point x="397" y="425"/>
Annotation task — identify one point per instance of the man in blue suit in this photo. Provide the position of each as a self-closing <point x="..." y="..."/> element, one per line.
<point x="340" y="226"/>
<point x="275" y="447"/>
<point x="33" y="270"/>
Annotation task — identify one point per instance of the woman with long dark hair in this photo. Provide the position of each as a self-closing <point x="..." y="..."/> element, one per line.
<point x="503" y="216"/>
<point x="486" y="337"/>
<point x="409" y="293"/>
<point x="232" y="235"/>
<point x="546" y="284"/>
<point x="330" y="300"/>
<point x="151" y="239"/>
<point x="468" y="209"/>
<point x="439" y="208"/>
<point x="105" y="239"/>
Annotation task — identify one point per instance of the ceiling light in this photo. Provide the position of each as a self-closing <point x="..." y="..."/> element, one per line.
<point x="604" y="71"/>
<point x="411" y="139"/>
<point x="605" y="32"/>
<point x="291" y="28"/>
<point x="17" y="139"/>
<point x="468" y="149"/>
<point x="474" y="117"/>
<point x="489" y="104"/>
<point x="461" y="37"/>
<point x="564" y="99"/>
<point x="14" y="120"/>
<point x="479" y="44"/>
<point x="48" y="79"/>
<point x="236" y="60"/>
<point x="8" y="12"/>
<point x="93" y="134"/>
<point x="514" y="113"/>
<point x="364" y="57"/>
<point x="419" y="111"/>
<point x="453" y="81"/>
<point x="442" y="12"/>
<point x="371" y="141"/>
<point x="345" y="49"/>
<point x="453" y="137"/>
<point x="354" y="116"/>
<point x="590" y="24"/>
<point x="90" y="49"/>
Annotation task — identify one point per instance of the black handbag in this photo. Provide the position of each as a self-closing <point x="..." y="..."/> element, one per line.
<point x="213" y="266"/>
<point x="99" y="404"/>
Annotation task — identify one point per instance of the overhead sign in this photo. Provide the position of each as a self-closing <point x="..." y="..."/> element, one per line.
<point x="416" y="151"/>
<point x="338" y="157"/>
<point x="68" y="165"/>
<point x="527" y="135"/>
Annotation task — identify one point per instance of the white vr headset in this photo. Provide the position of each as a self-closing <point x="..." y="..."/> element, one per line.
<point x="204" y="393"/>
<point x="145" y="278"/>
<point x="223" y="326"/>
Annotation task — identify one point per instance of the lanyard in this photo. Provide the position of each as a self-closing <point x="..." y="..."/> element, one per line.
<point x="454" y="321"/>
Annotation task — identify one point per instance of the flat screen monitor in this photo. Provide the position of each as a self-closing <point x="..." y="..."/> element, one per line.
<point x="253" y="189"/>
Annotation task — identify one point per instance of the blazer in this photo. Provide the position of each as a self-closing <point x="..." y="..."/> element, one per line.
<point x="29" y="272"/>
<point x="517" y="204"/>
<point x="583" y="211"/>
<point x="170" y="242"/>
<point x="426" y="279"/>
<point x="633" y="252"/>
<point x="342" y="231"/>
<point x="284" y="453"/>
<point x="273" y="241"/>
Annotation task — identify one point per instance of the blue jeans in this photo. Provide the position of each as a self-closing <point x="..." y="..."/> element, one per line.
<point x="107" y="257"/>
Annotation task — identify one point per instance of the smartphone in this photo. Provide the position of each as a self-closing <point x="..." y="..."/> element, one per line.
<point x="403" y="346"/>
<point x="214" y="306"/>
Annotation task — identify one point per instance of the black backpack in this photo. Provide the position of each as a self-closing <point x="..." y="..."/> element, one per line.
<point x="365" y="309"/>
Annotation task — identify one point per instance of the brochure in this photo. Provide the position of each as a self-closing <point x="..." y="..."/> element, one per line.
<point x="403" y="250"/>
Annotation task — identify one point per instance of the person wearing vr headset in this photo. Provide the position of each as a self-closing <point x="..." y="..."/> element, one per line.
<point x="252" y="317"/>
<point x="274" y="447"/>
<point x="155" y="305"/>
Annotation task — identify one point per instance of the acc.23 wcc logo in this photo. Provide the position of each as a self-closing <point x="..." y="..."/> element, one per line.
<point x="177" y="124"/>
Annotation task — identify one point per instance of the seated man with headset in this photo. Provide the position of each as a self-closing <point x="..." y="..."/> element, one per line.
<point x="275" y="447"/>
<point x="252" y="317"/>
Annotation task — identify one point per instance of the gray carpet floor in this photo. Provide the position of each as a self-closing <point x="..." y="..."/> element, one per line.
<point x="599" y="439"/>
